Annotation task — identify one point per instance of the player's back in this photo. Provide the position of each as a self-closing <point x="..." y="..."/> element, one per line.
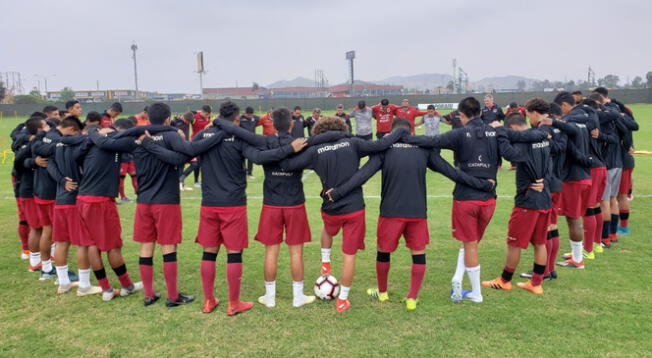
<point x="158" y="181"/>
<point x="280" y="187"/>
<point x="403" y="187"/>
<point x="101" y="170"/>
<point x="534" y="164"/>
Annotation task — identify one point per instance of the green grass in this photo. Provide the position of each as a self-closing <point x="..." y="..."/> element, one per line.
<point x="604" y="310"/>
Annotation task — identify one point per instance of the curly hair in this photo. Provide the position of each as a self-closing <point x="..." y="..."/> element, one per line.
<point x="329" y="123"/>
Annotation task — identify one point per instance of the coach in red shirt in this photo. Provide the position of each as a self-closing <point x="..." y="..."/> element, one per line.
<point x="384" y="114"/>
<point x="202" y="119"/>
<point x="409" y="113"/>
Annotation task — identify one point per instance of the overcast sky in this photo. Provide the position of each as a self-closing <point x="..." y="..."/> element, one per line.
<point x="82" y="42"/>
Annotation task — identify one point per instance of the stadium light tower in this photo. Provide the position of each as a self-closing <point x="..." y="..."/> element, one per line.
<point x="350" y="55"/>
<point x="201" y="71"/>
<point x="133" y="49"/>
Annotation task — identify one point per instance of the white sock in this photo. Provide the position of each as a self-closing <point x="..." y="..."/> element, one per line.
<point x="297" y="289"/>
<point x="34" y="258"/>
<point x="344" y="292"/>
<point x="474" y="277"/>
<point x="270" y="289"/>
<point x="52" y="249"/>
<point x="459" y="269"/>
<point x="84" y="278"/>
<point x="62" y="275"/>
<point x="576" y="250"/>
<point x="46" y="265"/>
<point x="325" y="255"/>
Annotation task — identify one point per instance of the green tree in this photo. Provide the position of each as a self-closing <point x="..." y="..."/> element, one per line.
<point x="67" y="94"/>
<point x="637" y="82"/>
<point x="35" y="93"/>
<point x="450" y="85"/>
<point x="648" y="77"/>
<point x="609" y="81"/>
<point x="25" y="99"/>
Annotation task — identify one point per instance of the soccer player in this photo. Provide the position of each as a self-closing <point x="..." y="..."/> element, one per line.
<point x="223" y="214"/>
<point x="73" y="108"/>
<point x="266" y="122"/>
<point x="202" y="119"/>
<point x="577" y="177"/>
<point x="17" y="138"/>
<point x="431" y="120"/>
<point x="577" y="95"/>
<point x="316" y="115"/>
<point x="249" y="121"/>
<point x="109" y="116"/>
<point x="362" y="115"/>
<point x="92" y="119"/>
<point x="453" y="119"/>
<point x="127" y="165"/>
<point x="335" y="162"/>
<point x="403" y="206"/>
<point x="66" y="230"/>
<point x="515" y="108"/>
<point x="384" y="114"/>
<point x="477" y="152"/>
<point x="530" y="218"/>
<point x="298" y="130"/>
<point x="339" y="112"/>
<point x="408" y="112"/>
<point x="142" y="119"/>
<point x="51" y="112"/>
<point x="491" y="112"/>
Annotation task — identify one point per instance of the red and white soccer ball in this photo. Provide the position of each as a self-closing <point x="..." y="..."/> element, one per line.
<point x="326" y="287"/>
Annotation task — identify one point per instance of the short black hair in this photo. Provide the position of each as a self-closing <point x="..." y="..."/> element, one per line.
<point x="158" y="112"/>
<point x="116" y="107"/>
<point x="133" y="120"/>
<point x="564" y="97"/>
<point x="38" y="114"/>
<point x="72" y="121"/>
<point x="124" y="123"/>
<point x="50" y="108"/>
<point x="206" y="108"/>
<point x="470" y="107"/>
<point x="362" y="104"/>
<point x="597" y="97"/>
<point x="555" y="110"/>
<point x="400" y="122"/>
<point x="145" y="109"/>
<point x="591" y="103"/>
<point x="515" y="119"/>
<point x="229" y="111"/>
<point x="602" y="90"/>
<point x="93" y="117"/>
<point x="71" y="103"/>
<point x="282" y="119"/>
<point x="297" y="108"/>
<point x="577" y="92"/>
<point x="249" y="110"/>
<point x="513" y="105"/>
<point x="384" y="101"/>
<point x="431" y="106"/>
<point x="33" y="124"/>
<point x="62" y="113"/>
<point x="538" y="105"/>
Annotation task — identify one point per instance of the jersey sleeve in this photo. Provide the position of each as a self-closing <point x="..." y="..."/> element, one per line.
<point x="197" y="146"/>
<point x="259" y="156"/>
<point x="305" y="159"/>
<point x="251" y="138"/>
<point x="438" y="164"/>
<point x="125" y="144"/>
<point x="163" y="154"/>
<point x="448" y="140"/>
<point x="360" y="177"/>
<point x="367" y="147"/>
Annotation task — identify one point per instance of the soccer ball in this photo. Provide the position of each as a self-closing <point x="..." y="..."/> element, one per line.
<point x="326" y="287"/>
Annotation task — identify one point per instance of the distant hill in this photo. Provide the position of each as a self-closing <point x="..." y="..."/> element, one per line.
<point x="422" y="81"/>
<point x="502" y="82"/>
<point x="297" y="82"/>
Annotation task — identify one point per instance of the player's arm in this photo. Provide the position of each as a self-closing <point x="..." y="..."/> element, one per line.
<point x="438" y="164"/>
<point x="629" y="122"/>
<point x="125" y="144"/>
<point x="576" y="155"/>
<point x="198" y="145"/>
<point x="163" y="154"/>
<point x="304" y="160"/>
<point x="569" y="129"/>
<point x="367" y="147"/>
<point x="358" y="179"/>
<point x="529" y="136"/>
<point x="140" y="130"/>
<point x="558" y="143"/>
<point x="41" y="148"/>
<point x="506" y="149"/>
<point x="259" y="156"/>
<point x="448" y="140"/>
<point x="253" y="139"/>
<point x="327" y="137"/>
<point x="53" y="170"/>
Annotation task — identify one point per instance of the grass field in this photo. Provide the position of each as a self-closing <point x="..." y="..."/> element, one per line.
<point x="604" y="310"/>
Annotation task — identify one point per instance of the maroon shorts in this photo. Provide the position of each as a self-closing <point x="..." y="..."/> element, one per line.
<point x="353" y="229"/>
<point x="576" y="198"/>
<point x="127" y="168"/>
<point x="470" y="218"/>
<point x="66" y="226"/>
<point x="598" y="183"/>
<point x="28" y="206"/>
<point x="100" y="221"/>
<point x="528" y="226"/>
<point x="556" y="207"/>
<point x="45" y="210"/>
<point x="274" y="219"/>
<point x="160" y="223"/>
<point x="390" y="230"/>
<point x="626" y="181"/>
<point x="223" y="225"/>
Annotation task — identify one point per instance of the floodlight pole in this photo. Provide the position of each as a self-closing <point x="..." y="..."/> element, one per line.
<point x="133" y="49"/>
<point x="350" y="55"/>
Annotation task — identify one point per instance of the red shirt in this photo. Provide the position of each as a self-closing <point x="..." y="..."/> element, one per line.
<point x="410" y="114"/>
<point x="519" y="109"/>
<point x="106" y="121"/>
<point x="199" y="124"/>
<point x="384" y="117"/>
<point x="141" y="121"/>
<point x="267" y="123"/>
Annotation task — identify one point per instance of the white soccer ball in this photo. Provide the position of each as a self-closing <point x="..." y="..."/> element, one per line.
<point x="326" y="287"/>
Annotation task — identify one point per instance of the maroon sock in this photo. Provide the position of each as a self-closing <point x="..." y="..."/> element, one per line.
<point x="170" y="275"/>
<point x="123" y="276"/>
<point x="548" y="251"/>
<point x="100" y="275"/>
<point x="416" y="276"/>
<point x="121" y="187"/>
<point x="23" y="234"/>
<point x="599" y="221"/>
<point x="537" y="274"/>
<point x="234" y="276"/>
<point x="382" y="270"/>
<point x="147" y="275"/>
<point x="134" y="183"/>
<point x="554" y="249"/>
<point x="207" y="270"/>
<point x="588" y="222"/>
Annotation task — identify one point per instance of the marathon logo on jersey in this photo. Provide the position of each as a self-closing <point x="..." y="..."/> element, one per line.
<point x="333" y="147"/>
<point x="540" y="145"/>
<point x="282" y="174"/>
<point x="403" y="145"/>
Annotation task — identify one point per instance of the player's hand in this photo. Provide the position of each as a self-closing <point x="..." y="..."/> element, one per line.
<point x="493" y="182"/>
<point x="46" y="127"/>
<point x="41" y="162"/>
<point x="495" y="124"/>
<point x="31" y="138"/>
<point x="181" y="134"/>
<point x="70" y="185"/>
<point x="327" y="194"/>
<point x="299" y="144"/>
<point x="595" y="133"/>
<point x="631" y="151"/>
<point x="537" y="185"/>
<point x="105" y="131"/>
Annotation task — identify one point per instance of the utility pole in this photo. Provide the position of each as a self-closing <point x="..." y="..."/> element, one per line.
<point x="350" y="55"/>
<point x="201" y="71"/>
<point x="133" y="49"/>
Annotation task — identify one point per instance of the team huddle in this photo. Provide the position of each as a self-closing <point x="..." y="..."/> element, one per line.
<point x="573" y="158"/>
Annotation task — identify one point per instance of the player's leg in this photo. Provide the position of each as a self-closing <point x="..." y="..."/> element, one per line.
<point x="504" y="281"/>
<point x="121" y="186"/>
<point x="297" y="233"/>
<point x="170" y="275"/>
<point x="589" y="225"/>
<point x="23" y="231"/>
<point x="269" y="273"/>
<point x="84" y="269"/>
<point x="207" y="272"/>
<point x="326" y="244"/>
<point x="33" y="240"/>
<point x="417" y="238"/>
<point x="296" y="266"/>
<point x="271" y="225"/>
<point x="388" y="233"/>
<point x="624" y="189"/>
<point x="132" y="176"/>
<point x="482" y="217"/>
<point x="353" y="234"/>
<point x="234" y="230"/>
<point x="146" y="269"/>
<point x="605" y="207"/>
<point x="45" y="245"/>
<point x="615" y="216"/>
<point x="95" y="258"/>
<point x="118" y="265"/>
<point x="538" y="239"/>
<point x="234" y="281"/>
